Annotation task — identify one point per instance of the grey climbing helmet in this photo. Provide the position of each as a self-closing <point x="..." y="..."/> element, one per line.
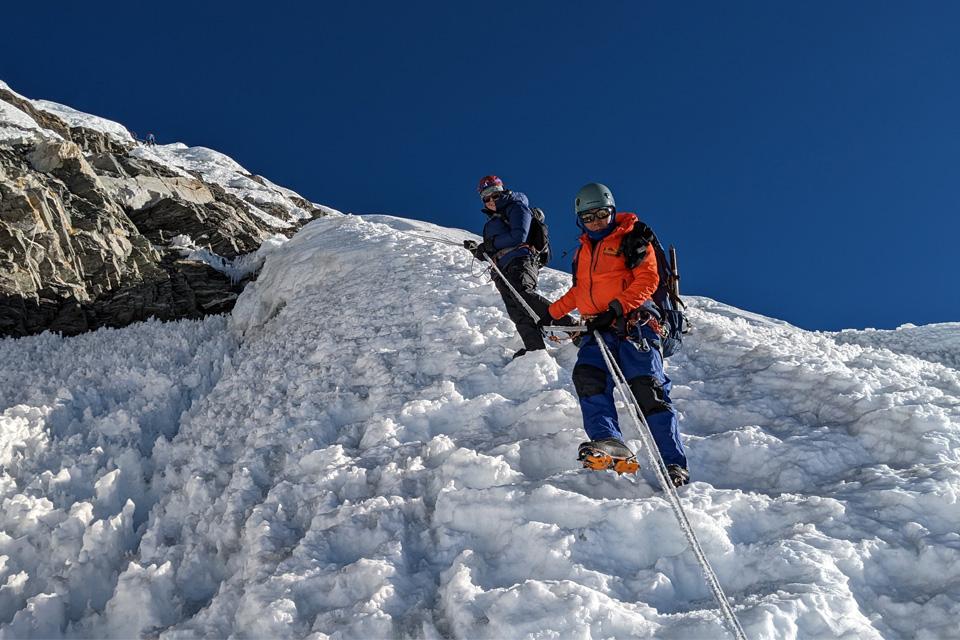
<point x="592" y="196"/>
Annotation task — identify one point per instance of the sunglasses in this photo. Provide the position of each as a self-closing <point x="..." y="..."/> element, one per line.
<point x="592" y="215"/>
<point x="490" y="198"/>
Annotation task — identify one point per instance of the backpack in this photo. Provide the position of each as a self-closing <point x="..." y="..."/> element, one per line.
<point x="539" y="236"/>
<point x="673" y="320"/>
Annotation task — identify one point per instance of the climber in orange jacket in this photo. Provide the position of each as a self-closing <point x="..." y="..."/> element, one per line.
<point x="614" y="277"/>
<point x="600" y="275"/>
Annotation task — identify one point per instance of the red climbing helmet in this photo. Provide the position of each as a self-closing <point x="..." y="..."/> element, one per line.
<point x="489" y="184"/>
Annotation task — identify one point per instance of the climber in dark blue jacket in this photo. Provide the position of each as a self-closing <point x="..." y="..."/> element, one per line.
<point x="504" y="240"/>
<point x="507" y="227"/>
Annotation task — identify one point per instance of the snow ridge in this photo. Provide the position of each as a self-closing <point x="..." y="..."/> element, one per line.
<point x="935" y="342"/>
<point x="75" y="118"/>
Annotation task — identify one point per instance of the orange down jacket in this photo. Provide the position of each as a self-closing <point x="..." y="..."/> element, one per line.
<point x="601" y="275"/>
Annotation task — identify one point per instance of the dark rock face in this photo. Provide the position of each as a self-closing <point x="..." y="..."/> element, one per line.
<point x="71" y="258"/>
<point x="229" y="230"/>
<point x="84" y="228"/>
<point x="95" y="142"/>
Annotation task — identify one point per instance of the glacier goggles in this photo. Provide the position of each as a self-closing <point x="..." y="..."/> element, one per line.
<point x="592" y="215"/>
<point x="491" y="193"/>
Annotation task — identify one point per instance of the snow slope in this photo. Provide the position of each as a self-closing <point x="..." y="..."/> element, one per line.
<point x="355" y="456"/>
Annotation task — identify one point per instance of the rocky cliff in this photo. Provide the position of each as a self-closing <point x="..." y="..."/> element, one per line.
<point x="93" y="222"/>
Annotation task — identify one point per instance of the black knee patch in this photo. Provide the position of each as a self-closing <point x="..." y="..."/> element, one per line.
<point x="649" y="394"/>
<point x="589" y="381"/>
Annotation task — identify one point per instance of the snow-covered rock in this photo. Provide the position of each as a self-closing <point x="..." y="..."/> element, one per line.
<point x="277" y="208"/>
<point x="87" y="213"/>
<point x="77" y="119"/>
<point x="18" y="128"/>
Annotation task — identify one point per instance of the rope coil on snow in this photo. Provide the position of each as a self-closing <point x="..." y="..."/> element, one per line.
<point x="656" y="461"/>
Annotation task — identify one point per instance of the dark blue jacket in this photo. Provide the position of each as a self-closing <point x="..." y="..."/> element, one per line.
<point x="509" y="225"/>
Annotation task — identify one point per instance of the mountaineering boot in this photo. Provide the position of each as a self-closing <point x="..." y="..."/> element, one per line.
<point x="678" y="475"/>
<point x="609" y="453"/>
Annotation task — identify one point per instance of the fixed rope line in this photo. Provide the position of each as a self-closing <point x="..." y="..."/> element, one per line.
<point x="435" y="239"/>
<point x="533" y="314"/>
<point x="656" y="461"/>
<point x="578" y="328"/>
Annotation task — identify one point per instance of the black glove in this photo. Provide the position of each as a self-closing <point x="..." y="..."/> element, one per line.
<point x="612" y="317"/>
<point x="602" y="321"/>
<point x="546" y="321"/>
<point x="488" y="247"/>
<point x="476" y="249"/>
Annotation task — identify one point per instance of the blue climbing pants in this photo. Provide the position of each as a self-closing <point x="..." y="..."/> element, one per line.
<point x="639" y="358"/>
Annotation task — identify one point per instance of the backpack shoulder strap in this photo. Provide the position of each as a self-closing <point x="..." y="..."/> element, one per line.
<point x="634" y="244"/>
<point x="576" y="257"/>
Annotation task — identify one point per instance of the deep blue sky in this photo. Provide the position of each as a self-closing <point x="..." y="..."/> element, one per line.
<point x="803" y="157"/>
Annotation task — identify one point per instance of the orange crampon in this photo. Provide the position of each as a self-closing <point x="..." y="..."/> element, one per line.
<point x="599" y="460"/>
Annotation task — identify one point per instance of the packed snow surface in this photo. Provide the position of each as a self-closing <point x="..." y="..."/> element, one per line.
<point x="353" y="454"/>
<point x="934" y="342"/>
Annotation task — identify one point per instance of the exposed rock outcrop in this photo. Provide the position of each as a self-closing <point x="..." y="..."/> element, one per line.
<point x="86" y="215"/>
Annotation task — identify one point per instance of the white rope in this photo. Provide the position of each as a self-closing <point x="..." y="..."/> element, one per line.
<point x="533" y="314"/>
<point x="656" y="461"/>
<point x="433" y="238"/>
<point x="574" y="328"/>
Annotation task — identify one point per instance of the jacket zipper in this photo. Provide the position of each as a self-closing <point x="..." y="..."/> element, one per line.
<point x="593" y="263"/>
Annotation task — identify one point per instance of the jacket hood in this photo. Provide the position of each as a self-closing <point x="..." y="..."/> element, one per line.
<point x="616" y="220"/>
